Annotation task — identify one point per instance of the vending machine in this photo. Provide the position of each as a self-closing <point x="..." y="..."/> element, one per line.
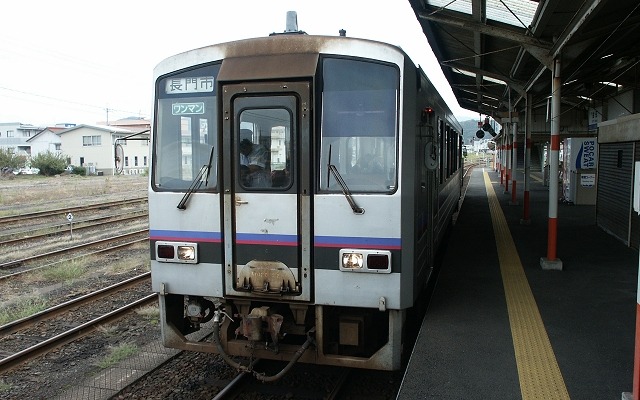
<point x="579" y="170"/>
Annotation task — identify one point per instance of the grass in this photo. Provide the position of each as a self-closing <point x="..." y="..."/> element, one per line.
<point x="108" y="330"/>
<point x="117" y="354"/>
<point x="21" y="309"/>
<point x="150" y="313"/>
<point x="4" y="387"/>
<point x="140" y="262"/>
<point x="66" y="272"/>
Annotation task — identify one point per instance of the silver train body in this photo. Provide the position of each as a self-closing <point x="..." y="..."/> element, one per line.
<point x="318" y="255"/>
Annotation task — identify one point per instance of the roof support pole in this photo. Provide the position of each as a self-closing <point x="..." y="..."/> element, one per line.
<point x="507" y="154"/>
<point x="551" y="261"/>
<point x="514" y="166"/>
<point x="526" y="218"/>
<point x="636" y="356"/>
<point x="514" y="158"/>
<point x="496" y="156"/>
<point x="501" y="158"/>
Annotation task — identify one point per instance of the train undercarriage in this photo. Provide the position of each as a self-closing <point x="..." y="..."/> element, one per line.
<point x="328" y="335"/>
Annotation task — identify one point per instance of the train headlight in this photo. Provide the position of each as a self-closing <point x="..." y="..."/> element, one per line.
<point x="352" y="260"/>
<point x="361" y="260"/>
<point x="177" y="252"/>
<point x="186" y="253"/>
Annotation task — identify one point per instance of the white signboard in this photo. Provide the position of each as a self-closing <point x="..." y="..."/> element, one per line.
<point x="197" y="84"/>
<point x="588" y="180"/>
<point x="595" y="117"/>
<point x="584" y="153"/>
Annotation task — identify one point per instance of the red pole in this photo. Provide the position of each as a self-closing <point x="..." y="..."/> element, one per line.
<point x="502" y="160"/>
<point x="636" y="356"/>
<point x="514" y="192"/>
<point x="551" y="262"/>
<point x="527" y="168"/>
<point x="507" y="175"/>
<point x="527" y="160"/>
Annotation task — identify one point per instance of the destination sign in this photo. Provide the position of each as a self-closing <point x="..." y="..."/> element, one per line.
<point x="187" y="108"/>
<point x="197" y="84"/>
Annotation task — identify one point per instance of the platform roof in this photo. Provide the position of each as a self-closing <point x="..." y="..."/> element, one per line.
<point x="494" y="50"/>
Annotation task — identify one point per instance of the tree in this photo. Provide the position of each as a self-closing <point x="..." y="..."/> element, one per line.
<point x="49" y="163"/>
<point x="8" y="159"/>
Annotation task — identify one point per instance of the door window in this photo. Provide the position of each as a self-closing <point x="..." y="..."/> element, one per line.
<point x="264" y="142"/>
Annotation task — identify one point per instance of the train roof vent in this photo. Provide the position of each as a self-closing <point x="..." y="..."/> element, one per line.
<point x="292" y="25"/>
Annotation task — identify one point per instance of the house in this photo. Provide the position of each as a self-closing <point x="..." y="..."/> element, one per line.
<point x="46" y="140"/>
<point x="135" y="124"/>
<point x="94" y="147"/>
<point x="14" y="137"/>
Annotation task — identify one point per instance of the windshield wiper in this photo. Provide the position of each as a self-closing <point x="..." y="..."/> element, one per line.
<point x="345" y="189"/>
<point x="202" y="176"/>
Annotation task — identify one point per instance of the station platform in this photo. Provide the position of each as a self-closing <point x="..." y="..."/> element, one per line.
<point x="498" y="326"/>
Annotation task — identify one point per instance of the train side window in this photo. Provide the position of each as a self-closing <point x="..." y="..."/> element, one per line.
<point x="359" y="118"/>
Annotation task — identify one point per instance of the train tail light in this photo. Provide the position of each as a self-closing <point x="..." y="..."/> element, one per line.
<point x="165" y="251"/>
<point x="360" y="260"/>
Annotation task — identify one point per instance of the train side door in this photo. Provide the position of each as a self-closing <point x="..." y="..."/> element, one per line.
<point x="266" y="131"/>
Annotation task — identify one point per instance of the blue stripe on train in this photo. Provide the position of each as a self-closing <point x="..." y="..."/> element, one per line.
<point x="277" y="240"/>
<point x="358" y="242"/>
<point x="185" y="236"/>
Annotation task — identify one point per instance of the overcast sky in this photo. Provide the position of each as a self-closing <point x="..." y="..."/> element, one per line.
<point x="68" y="61"/>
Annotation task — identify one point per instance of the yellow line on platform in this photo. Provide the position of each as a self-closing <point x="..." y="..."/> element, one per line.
<point x="538" y="371"/>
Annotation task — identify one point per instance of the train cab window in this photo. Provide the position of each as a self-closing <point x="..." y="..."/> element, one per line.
<point x="265" y="149"/>
<point x="186" y="130"/>
<point x="359" y="118"/>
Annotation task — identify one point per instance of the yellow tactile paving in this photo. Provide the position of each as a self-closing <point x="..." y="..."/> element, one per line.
<point x="538" y="371"/>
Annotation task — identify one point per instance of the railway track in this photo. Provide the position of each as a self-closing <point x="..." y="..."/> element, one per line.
<point x="245" y="386"/>
<point x="77" y="249"/>
<point x="63" y="211"/>
<point x="58" y="229"/>
<point x="79" y="331"/>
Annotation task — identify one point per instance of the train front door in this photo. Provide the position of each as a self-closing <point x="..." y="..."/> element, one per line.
<point x="266" y="131"/>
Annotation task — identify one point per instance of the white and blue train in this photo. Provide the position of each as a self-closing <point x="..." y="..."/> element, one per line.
<point x="299" y="189"/>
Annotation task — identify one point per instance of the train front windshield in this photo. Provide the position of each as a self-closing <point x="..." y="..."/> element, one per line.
<point x="359" y="125"/>
<point x="186" y="129"/>
<point x="359" y="128"/>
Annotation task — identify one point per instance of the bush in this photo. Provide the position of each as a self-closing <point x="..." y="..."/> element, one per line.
<point x="49" y="163"/>
<point x="79" y="171"/>
<point x="10" y="160"/>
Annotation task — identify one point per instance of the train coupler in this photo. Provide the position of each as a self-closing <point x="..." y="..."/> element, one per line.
<point x="260" y="322"/>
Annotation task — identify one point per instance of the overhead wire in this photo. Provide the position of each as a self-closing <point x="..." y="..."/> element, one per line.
<point x="21" y="52"/>
<point x="601" y="88"/>
<point x="101" y="108"/>
<point x="593" y="53"/>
